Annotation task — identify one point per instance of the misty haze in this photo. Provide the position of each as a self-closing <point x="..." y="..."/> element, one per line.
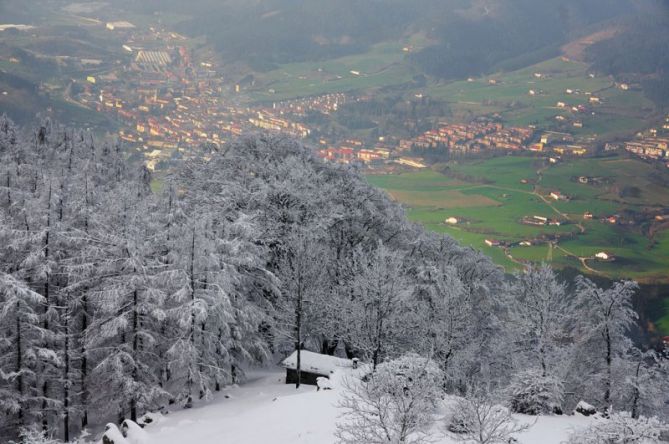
<point x="334" y="221"/>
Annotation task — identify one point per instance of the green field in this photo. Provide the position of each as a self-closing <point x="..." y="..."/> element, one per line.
<point x="383" y="65"/>
<point x="621" y="112"/>
<point x="489" y="200"/>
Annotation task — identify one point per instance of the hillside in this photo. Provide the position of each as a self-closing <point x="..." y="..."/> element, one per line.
<point x="266" y="410"/>
<point x="632" y="56"/>
<point x="470" y="37"/>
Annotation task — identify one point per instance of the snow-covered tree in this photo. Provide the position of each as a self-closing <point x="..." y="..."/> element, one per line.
<point x="395" y="404"/>
<point x="479" y="419"/>
<point x="647" y="382"/>
<point x="541" y="314"/>
<point x="620" y="428"/>
<point x="605" y="319"/>
<point x="445" y="317"/>
<point x="534" y="393"/>
<point x="129" y="301"/>
<point x="301" y="274"/>
<point x="20" y="344"/>
<point x="381" y="295"/>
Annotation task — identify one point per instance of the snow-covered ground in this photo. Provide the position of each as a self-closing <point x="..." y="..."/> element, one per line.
<point x="267" y="411"/>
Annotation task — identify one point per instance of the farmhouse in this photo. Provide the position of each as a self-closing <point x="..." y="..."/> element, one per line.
<point x="574" y="150"/>
<point x="452" y="221"/>
<point x="588" y="215"/>
<point x="119" y="25"/>
<point x="604" y="256"/>
<point x="535" y="220"/>
<point x="492" y="243"/>
<point x="414" y="162"/>
<point x="312" y="366"/>
<point x="556" y="195"/>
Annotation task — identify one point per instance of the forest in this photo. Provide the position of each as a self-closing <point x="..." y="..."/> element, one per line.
<point x="464" y="37"/>
<point x="117" y="299"/>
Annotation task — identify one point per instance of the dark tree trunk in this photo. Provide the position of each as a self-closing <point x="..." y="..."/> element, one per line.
<point x="19" y="363"/>
<point x="189" y="402"/>
<point x="636" y="395"/>
<point x="66" y="382"/>
<point x="328" y="347"/>
<point x="135" y="347"/>
<point x="84" y="363"/>
<point x="45" y="383"/>
<point x="609" y="362"/>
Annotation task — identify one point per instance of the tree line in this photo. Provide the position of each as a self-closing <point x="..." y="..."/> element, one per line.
<point x="120" y="295"/>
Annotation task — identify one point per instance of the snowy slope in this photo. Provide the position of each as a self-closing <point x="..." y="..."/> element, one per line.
<point x="267" y="411"/>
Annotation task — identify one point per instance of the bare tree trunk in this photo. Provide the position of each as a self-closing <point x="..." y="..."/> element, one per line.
<point x="19" y="363"/>
<point x="66" y="381"/>
<point x="84" y="363"/>
<point x="45" y="383"/>
<point x="189" y="402"/>
<point x="635" y="398"/>
<point x="135" y="349"/>
<point x="609" y="362"/>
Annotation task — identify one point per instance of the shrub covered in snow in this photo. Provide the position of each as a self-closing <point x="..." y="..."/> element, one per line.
<point x="395" y="403"/>
<point x="532" y="393"/>
<point x="620" y="428"/>
<point x="480" y="420"/>
<point x="34" y="436"/>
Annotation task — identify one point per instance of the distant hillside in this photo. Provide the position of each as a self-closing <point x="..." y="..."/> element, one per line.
<point x="470" y="36"/>
<point x="638" y="53"/>
<point x="510" y="34"/>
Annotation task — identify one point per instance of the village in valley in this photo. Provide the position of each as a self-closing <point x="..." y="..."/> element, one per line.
<point x="163" y="93"/>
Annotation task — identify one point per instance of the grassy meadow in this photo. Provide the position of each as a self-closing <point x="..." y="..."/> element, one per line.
<point x="621" y="112"/>
<point x="383" y="65"/>
<point x="489" y="200"/>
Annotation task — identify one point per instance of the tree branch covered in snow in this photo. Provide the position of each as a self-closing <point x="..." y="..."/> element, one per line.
<point x="118" y="298"/>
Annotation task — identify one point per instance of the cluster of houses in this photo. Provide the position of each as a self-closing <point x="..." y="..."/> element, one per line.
<point x="652" y="144"/>
<point x="166" y="100"/>
<point x="652" y="147"/>
<point x="560" y="143"/>
<point x="269" y="121"/>
<point x="473" y="137"/>
<point x="325" y="104"/>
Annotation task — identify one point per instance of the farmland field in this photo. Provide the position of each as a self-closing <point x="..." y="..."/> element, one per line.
<point x="489" y="201"/>
<point x="490" y="198"/>
<point x="621" y="112"/>
<point x="383" y="65"/>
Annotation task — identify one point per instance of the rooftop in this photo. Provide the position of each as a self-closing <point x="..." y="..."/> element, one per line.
<point x="316" y="363"/>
